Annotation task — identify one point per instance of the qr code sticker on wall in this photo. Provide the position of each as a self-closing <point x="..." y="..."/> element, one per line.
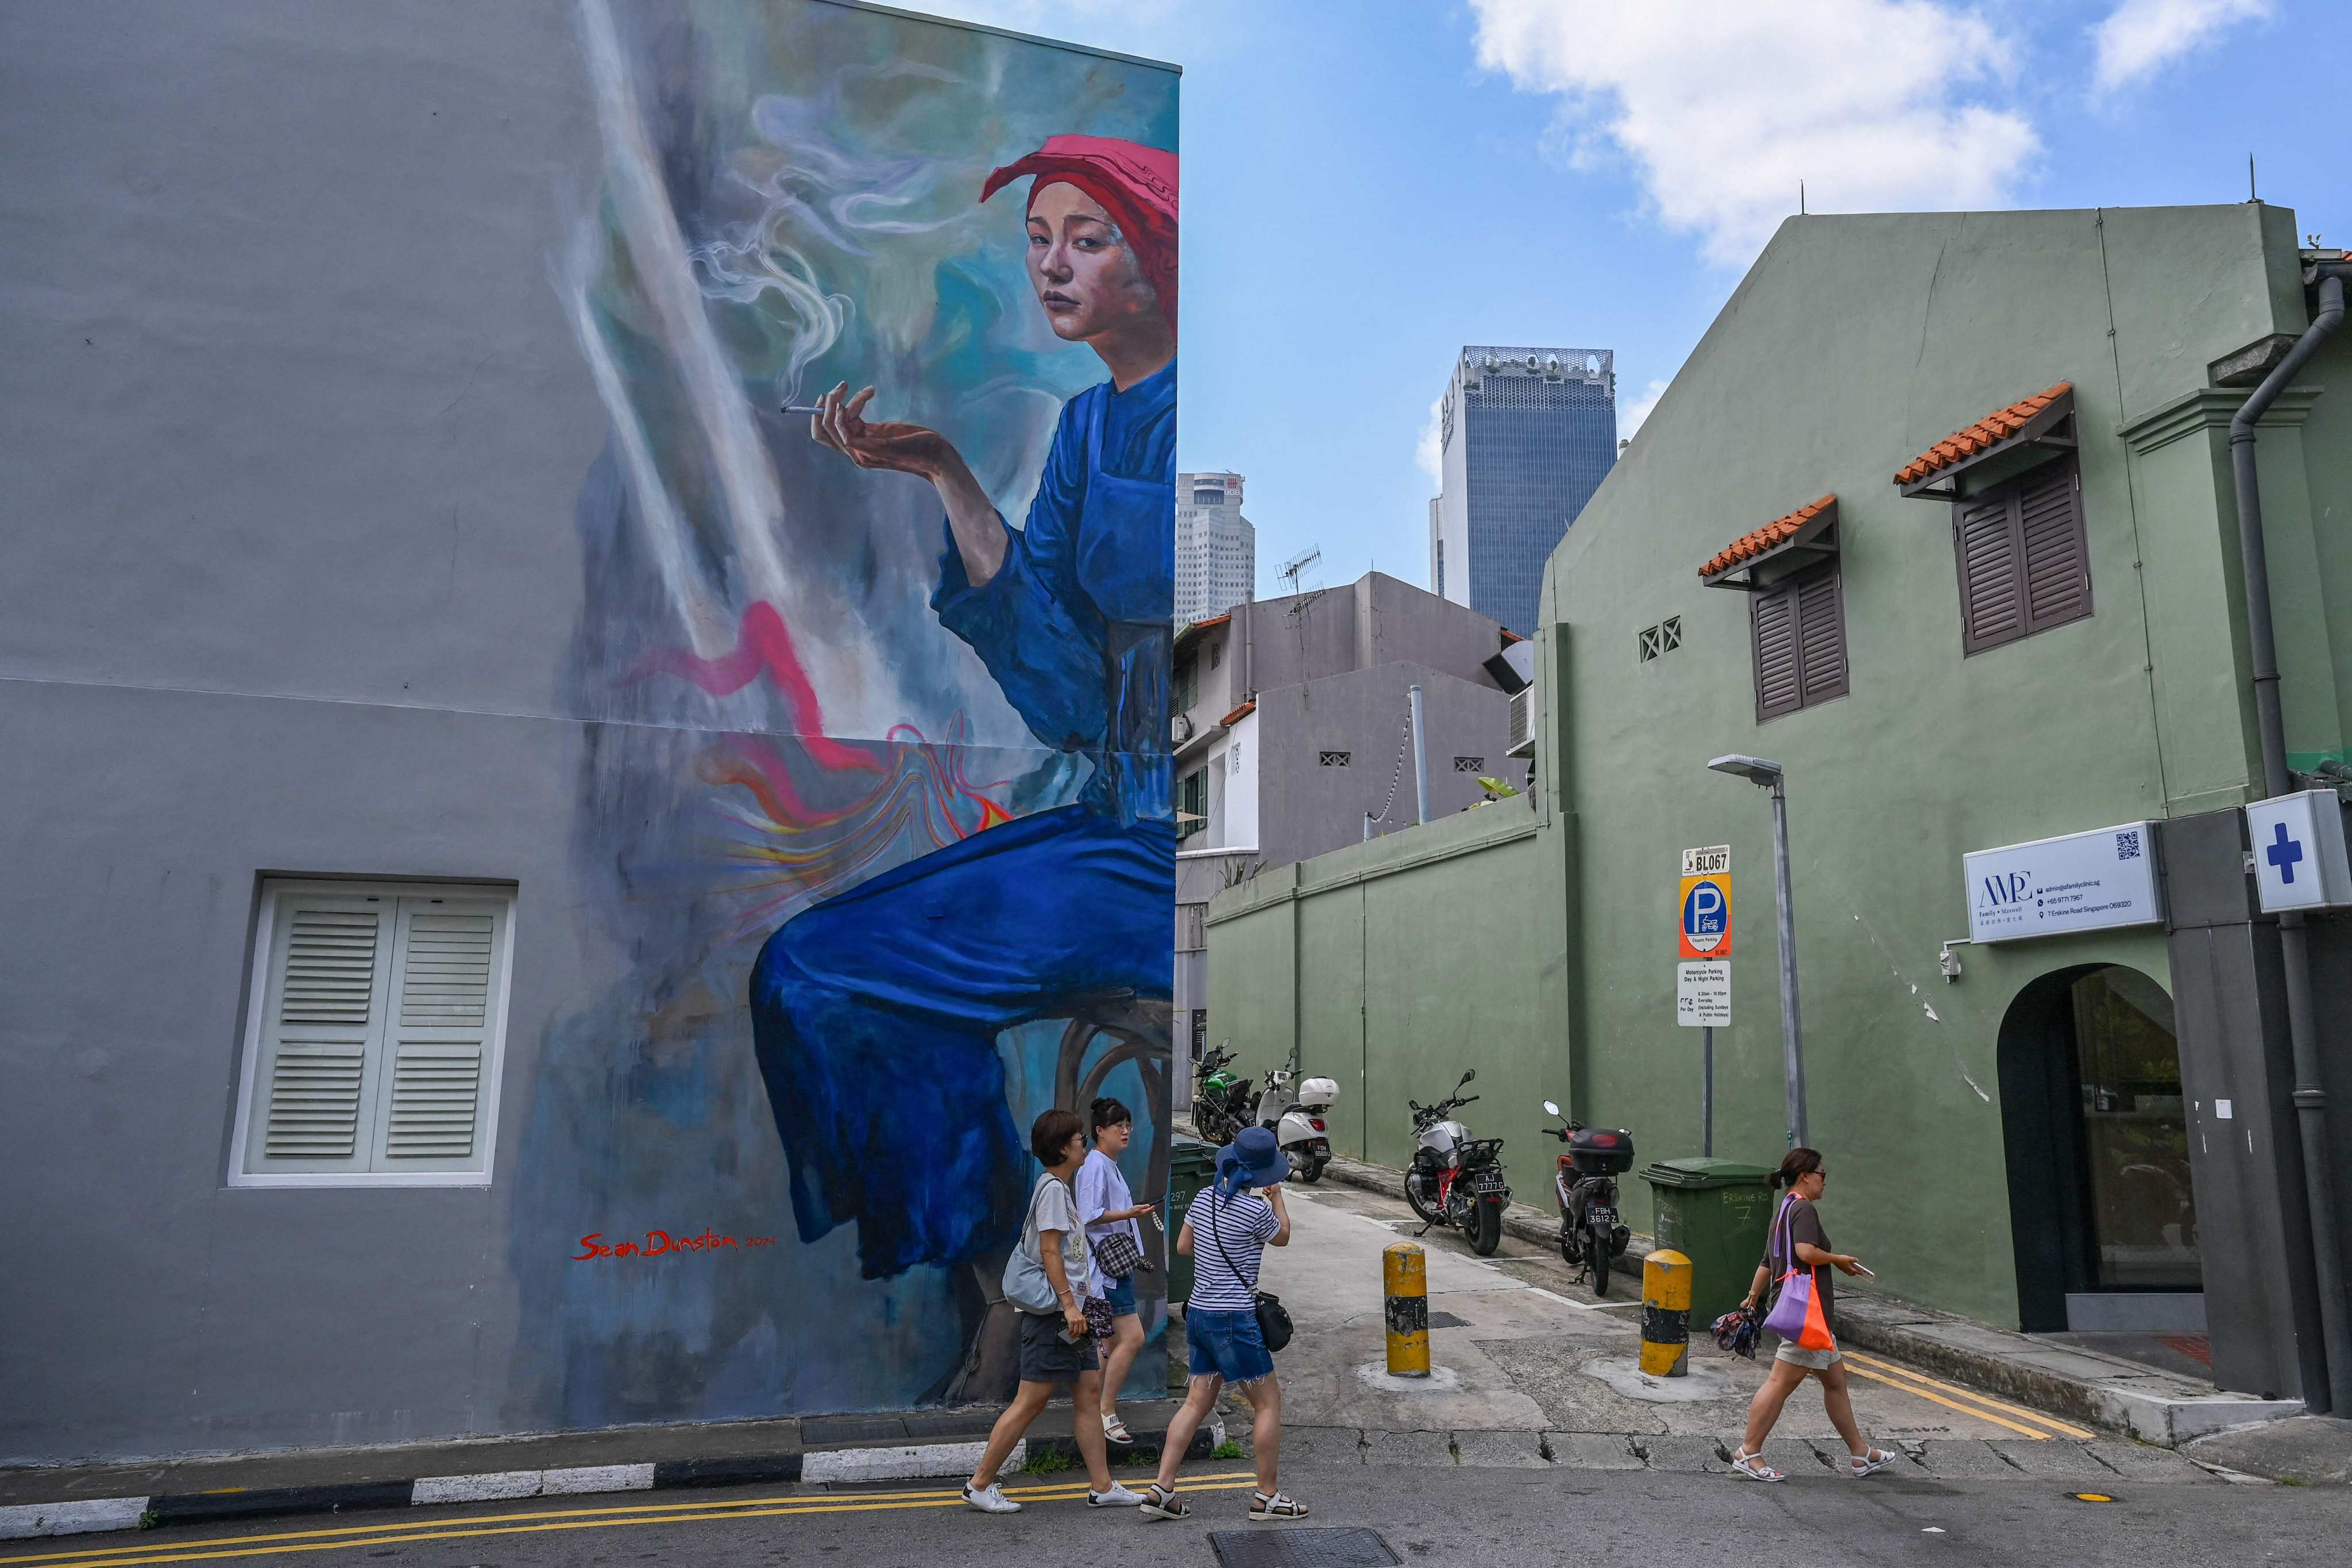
<point x="2127" y="845"/>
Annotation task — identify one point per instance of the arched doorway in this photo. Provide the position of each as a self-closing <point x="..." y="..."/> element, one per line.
<point x="2097" y="1135"/>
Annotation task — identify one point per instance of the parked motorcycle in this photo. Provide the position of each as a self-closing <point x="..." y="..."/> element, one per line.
<point x="1590" y="1232"/>
<point x="1221" y="1101"/>
<point x="1293" y="1107"/>
<point x="1456" y="1180"/>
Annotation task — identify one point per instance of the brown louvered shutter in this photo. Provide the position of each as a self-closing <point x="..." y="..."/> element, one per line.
<point x="1772" y="627"/>
<point x="1821" y="636"/>
<point x="2057" y="563"/>
<point x="1992" y="598"/>
<point x="2024" y="564"/>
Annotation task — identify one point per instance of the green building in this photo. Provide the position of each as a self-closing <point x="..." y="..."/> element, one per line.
<point x="1939" y="516"/>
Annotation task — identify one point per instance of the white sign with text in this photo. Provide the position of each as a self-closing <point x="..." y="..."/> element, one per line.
<point x="1703" y="996"/>
<point x="2084" y="881"/>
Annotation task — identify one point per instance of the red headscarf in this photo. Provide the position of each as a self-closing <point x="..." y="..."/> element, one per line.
<point x="1135" y="184"/>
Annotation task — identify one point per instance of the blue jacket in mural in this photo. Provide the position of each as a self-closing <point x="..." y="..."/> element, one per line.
<point x="877" y="1013"/>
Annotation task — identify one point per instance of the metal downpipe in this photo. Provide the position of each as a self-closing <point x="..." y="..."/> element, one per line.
<point x="2310" y="1098"/>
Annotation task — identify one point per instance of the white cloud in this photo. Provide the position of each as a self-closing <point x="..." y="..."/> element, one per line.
<point x="1430" y="451"/>
<point x="1723" y="105"/>
<point x="2140" y="37"/>
<point x="1635" y="414"/>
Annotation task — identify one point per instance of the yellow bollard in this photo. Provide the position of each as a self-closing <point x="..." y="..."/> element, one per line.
<point x="1665" y="1315"/>
<point x="1404" y="1281"/>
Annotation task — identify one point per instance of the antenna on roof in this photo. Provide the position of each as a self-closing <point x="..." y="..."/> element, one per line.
<point x="2249" y="179"/>
<point x="1298" y="563"/>
<point x="1801" y="198"/>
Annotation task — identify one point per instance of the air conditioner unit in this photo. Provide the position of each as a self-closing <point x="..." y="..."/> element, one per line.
<point x="1522" y="743"/>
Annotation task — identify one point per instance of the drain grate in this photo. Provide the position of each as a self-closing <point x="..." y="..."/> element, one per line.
<point x="1445" y="1320"/>
<point x="1294" y="1547"/>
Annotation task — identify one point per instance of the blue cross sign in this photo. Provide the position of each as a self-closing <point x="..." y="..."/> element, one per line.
<point x="2299" y="857"/>
<point x="2284" y="852"/>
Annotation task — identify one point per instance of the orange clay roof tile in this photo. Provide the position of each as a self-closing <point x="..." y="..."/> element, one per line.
<point x="1238" y="714"/>
<point x="1996" y="426"/>
<point x="1779" y="530"/>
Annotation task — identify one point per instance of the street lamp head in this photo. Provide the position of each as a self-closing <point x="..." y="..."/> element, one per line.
<point x="1755" y="770"/>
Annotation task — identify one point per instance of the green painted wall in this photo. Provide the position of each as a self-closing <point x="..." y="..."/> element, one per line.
<point x="1852" y="344"/>
<point x="1547" y="959"/>
<point x="1435" y="917"/>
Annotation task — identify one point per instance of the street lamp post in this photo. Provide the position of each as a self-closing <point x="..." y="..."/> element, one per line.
<point x="1767" y="775"/>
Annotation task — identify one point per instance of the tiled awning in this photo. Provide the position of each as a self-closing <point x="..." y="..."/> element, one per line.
<point x="1807" y="533"/>
<point x="2044" y="419"/>
<point x="1237" y="715"/>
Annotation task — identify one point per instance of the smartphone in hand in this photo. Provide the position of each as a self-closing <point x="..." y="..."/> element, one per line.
<point x="1859" y="1269"/>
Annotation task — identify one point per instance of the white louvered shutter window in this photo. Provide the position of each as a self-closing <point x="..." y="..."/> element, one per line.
<point x="379" y="1039"/>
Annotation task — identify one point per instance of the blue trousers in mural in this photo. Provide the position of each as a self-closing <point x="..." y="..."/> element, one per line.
<point x="875" y="1015"/>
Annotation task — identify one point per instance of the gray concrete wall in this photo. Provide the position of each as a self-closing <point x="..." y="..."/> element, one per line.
<point x="316" y="563"/>
<point x="293" y="451"/>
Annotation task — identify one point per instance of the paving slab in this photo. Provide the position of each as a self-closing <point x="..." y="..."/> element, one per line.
<point x="1593" y="1450"/>
<point x="1502" y="1450"/>
<point x="1418" y="1449"/>
<point x="1677" y="1451"/>
<point x="2056" y="1459"/>
<point x="1964" y="1459"/>
<point x="2316" y="1450"/>
<point x="1793" y="1457"/>
<point x="2133" y="1462"/>
<point x="1322" y="1445"/>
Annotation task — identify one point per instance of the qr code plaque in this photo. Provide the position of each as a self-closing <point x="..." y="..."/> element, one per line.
<point x="2127" y="845"/>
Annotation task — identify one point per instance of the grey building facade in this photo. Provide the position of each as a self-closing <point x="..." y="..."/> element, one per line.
<point x="1527" y="435"/>
<point x="1290" y="729"/>
<point x="335" y="642"/>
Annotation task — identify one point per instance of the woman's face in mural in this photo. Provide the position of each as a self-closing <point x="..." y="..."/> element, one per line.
<point x="1087" y="277"/>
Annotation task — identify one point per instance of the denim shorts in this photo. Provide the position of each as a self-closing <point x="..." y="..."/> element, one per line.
<point x="1122" y="1297"/>
<point x="1226" y="1345"/>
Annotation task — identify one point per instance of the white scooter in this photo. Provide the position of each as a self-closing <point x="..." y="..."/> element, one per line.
<point x="1297" y="1118"/>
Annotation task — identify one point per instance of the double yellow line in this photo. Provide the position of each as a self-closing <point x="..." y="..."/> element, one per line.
<point x="1966" y="1401"/>
<point x="287" y="1542"/>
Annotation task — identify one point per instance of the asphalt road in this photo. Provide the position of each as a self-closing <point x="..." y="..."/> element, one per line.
<point x="1444" y="1514"/>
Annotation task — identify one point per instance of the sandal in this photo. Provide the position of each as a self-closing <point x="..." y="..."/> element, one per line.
<point x="1864" y="1463"/>
<point x="1753" y="1467"/>
<point x="1280" y="1505"/>
<point x="1162" y="1502"/>
<point x="1115" y="1431"/>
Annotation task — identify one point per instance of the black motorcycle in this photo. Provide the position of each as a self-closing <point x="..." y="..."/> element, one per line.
<point x="1456" y="1180"/>
<point x="1222" y="1105"/>
<point x="1590" y="1231"/>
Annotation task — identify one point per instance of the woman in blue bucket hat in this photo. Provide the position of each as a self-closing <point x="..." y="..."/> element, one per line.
<point x="1225" y="1232"/>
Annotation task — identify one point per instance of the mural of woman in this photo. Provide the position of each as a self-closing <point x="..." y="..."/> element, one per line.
<point x="876" y="1013"/>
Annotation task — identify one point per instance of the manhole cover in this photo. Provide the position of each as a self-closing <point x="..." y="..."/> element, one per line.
<point x="1300" y="1548"/>
<point x="1445" y="1320"/>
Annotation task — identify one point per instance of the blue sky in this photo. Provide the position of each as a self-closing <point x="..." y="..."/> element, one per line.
<point x="1369" y="185"/>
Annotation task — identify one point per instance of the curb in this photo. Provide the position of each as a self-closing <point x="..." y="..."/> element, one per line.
<point x="819" y="1467"/>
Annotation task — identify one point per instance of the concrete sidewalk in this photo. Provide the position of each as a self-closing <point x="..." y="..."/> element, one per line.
<point x="2078" y="1384"/>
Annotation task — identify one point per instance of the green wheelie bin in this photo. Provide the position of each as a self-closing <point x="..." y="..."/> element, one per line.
<point x="1192" y="1165"/>
<point x="1715" y="1212"/>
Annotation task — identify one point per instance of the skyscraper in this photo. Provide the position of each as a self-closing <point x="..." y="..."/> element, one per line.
<point x="1527" y="435"/>
<point x="1216" y="547"/>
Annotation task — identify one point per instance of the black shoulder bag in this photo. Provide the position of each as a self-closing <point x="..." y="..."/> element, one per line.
<point x="1272" y="1317"/>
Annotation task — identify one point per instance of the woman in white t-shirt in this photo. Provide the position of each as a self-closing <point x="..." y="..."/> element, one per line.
<point x="1106" y="1207"/>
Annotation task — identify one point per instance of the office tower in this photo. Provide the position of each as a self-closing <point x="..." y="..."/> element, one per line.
<point x="1527" y="435"/>
<point x="1216" y="547"/>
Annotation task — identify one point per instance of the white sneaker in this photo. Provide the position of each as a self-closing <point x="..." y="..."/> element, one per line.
<point x="991" y="1498"/>
<point x="1117" y="1497"/>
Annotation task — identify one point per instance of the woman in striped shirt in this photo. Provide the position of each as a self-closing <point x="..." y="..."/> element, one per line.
<point x="1225" y="1232"/>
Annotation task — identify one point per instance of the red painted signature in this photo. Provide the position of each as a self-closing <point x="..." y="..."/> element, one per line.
<point x="658" y="1242"/>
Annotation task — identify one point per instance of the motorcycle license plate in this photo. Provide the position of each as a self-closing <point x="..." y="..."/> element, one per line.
<point x="1488" y="1182"/>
